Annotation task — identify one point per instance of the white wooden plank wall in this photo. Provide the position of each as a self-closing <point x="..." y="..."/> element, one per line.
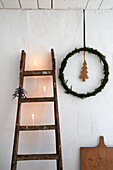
<point x="69" y="4"/>
<point x="44" y="4"/>
<point x="74" y="4"/>
<point x="61" y="4"/>
<point x="11" y="3"/>
<point x="57" y="4"/>
<point x="29" y="4"/>
<point x="82" y="4"/>
<point x="1" y="5"/>
<point x="107" y="4"/>
<point x="93" y="4"/>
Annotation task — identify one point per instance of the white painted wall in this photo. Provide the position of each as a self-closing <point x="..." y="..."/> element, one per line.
<point x="81" y="121"/>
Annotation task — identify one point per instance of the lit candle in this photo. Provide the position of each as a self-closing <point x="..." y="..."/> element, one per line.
<point x="33" y="117"/>
<point x="35" y="63"/>
<point x="44" y="91"/>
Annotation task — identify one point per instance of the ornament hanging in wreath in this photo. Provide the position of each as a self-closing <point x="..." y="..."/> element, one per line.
<point x="84" y="72"/>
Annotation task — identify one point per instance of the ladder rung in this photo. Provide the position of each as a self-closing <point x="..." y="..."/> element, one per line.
<point x="37" y="157"/>
<point x="44" y="127"/>
<point x="38" y="73"/>
<point x="42" y="99"/>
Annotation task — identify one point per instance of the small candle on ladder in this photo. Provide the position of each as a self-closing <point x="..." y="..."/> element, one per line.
<point x="33" y="117"/>
<point x="35" y="63"/>
<point x="44" y="91"/>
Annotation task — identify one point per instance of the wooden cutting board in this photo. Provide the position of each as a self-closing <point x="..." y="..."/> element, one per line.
<point x="97" y="158"/>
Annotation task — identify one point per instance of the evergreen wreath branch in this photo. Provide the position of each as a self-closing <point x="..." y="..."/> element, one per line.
<point x="103" y="81"/>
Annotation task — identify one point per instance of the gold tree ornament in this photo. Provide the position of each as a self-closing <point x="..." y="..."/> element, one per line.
<point x="84" y="71"/>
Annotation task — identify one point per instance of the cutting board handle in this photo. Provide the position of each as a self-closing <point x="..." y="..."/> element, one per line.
<point x="101" y="144"/>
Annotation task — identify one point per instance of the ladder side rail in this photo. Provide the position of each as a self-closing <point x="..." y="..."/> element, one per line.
<point x="56" y="112"/>
<point x="16" y="137"/>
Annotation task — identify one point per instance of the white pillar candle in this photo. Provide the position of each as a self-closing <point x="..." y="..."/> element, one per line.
<point x="35" y="63"/>
<point x="44" y="91"/>
<point x="33" y="117"/>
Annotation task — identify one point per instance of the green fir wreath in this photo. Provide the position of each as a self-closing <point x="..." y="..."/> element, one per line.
<point x="103" y="81"/>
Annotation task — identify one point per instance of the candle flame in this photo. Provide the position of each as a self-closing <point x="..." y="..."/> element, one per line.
<point x="35" y="63"/>
<point x="44" y="88"/>
<point x="33" y="116"/>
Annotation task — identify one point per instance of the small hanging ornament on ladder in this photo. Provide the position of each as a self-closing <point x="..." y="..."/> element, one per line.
<point x="84" y="71"/>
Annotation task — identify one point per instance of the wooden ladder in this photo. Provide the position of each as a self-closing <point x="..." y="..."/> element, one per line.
<point x="57" y="156"/>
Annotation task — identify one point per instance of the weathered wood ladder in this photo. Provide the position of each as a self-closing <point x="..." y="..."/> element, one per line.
<point x="57" y="156"/>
